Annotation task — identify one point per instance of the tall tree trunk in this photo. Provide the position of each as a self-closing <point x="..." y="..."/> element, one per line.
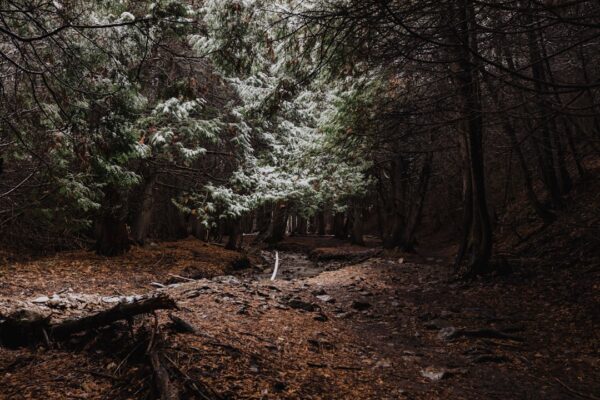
<point x="321" y="225"/>
<point x="467" y="197"/>
<point x="548" y="156"/>
<point x="112" y="236"/>
<point x="395" y="218"/>
<point x="416" y="207"/>
<point x="278" y="225"/>
<point x="481" y="230"/>
<point x="199" y="230"/>
<point x="339" y="228"/>
<point x="263" y="221"/>
<point x="234" y="234"/>
<point x="357" y="223"/>
<point x="302" y="226"/>
<point x="143" y="220"/>
<point x="511" y="133"/>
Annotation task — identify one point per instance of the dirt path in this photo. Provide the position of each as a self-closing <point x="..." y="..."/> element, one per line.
<point x="379" y="329"/>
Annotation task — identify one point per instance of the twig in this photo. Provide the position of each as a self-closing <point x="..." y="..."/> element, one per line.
<point x="192" y="383"/>
<point x="342" y="367"/>
<point x="100" y="374"/>
<point x="152" y="334"/>
<point x="161" y="375"/>
<point x="159" y="260"/>
<point x="573" y="391"/>
<point x="137" y="346"/>
<point x="182" y="278"/>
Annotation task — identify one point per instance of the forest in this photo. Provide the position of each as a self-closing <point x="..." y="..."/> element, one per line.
<point x="288" y="199"/>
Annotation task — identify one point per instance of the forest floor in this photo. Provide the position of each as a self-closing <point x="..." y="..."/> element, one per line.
<point x="335" y="325"/>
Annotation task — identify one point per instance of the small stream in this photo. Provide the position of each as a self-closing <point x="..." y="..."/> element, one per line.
<point x="293" y="266"/>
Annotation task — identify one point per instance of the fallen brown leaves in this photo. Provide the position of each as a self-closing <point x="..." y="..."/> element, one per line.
<point x="308" y="338"/>
<point x="84" y="271"/>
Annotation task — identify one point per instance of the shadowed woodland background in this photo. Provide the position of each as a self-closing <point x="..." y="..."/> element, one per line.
<point x="463" y="136"/>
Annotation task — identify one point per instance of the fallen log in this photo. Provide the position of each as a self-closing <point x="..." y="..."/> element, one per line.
<point x="24" y="327"/>
<point x="121" y="311"/>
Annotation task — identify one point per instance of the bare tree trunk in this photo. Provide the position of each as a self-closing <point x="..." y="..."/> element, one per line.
<point x="511" y="133"/>
<point x="320" y="219"/>
<point x="112" y="235"/>
<point x="416" y="210"/>
<point x="141" y="227"/>
<point x="357" y="221"/>
<point x="199" y="230"/>
<point x="339" y="228"/>
<point x="467" y="197"/>
<point x="547" y="161"/>
<point x="234" y="233"/>
<point x="481" y="229"/>
<point x="302" y="226"/>
<point x="395" y="217"/>
<point x="278" y="225"/>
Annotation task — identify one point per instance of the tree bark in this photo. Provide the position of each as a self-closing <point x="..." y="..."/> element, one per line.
<point x="511" y="133"/>
<point x="278" y="226"/>
<point x="321" y="225"/>
<point x="481" y="229"/>
<point x="234" y="234"/>
<point x="112" y="235"/>
<point x="141" y="227"/>
<point x="416" y="209"/>
<point x="339" y="228"/>
<point x="547" y="154"/>
<point x="357" y="224"/>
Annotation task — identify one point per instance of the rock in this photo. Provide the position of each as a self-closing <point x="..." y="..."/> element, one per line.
<point x="111" y="299"/>
<point x="227" y="279"/>
<point x="41" y="299"/>
<point x="437" y="324"/>
<point x="299" y="304"/>
<point x="321" y="318"/>
<point x="192" y="294"/>
<point x="344" y="315"/>
<point x="57" y="303"/>
<point x="434" y="374"/>
<point x="383" y="364"/>
<point x="447" y="333"/>
<point x="361" y="305"/>
<point x="319" y="292"/>
<point x="326" y="298"/>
